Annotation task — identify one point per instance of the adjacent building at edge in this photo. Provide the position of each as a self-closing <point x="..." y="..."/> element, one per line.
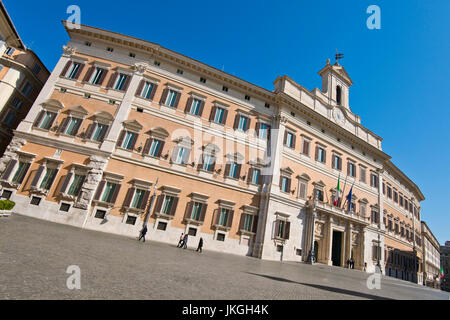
<point x="445" y="263"/>
<point x="126" y="132"/>
<point x="22" y="76"/>
<point x="431" y="258"/>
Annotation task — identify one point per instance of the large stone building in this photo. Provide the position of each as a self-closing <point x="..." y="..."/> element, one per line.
<point x="126" y="132"/>
<point x="445" y="264"/>
<point x="22" y="76"/>
<point x="431" y="258"/>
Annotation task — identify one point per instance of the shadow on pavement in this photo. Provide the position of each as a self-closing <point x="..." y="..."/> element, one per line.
<point x="327" y="288"/>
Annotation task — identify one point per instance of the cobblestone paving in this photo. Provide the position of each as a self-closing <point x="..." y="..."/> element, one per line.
<point x="35" y="254"/>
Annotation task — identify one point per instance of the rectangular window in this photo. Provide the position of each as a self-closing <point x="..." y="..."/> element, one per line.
<point x="120" y="83"/>
<point x="36" y="69"/>
<point x="98" y="132"/>
<point x="47" y="121"/>
<point x="10" y="51"/>
<point x="49" y="177"/>
<point x="100" y="214"/>
<point x="97" y="76"/>
<point x="195" y="107"/>
<point x="263" y="131"/>
<point x="373" y="180"/>
<point x="281" y="226"/>
<point x="76" y="185"/>
<point x="220" y="236"/>
<point x="290" y="140"/>
<point x="305" y="149"/>
<point x="248" y="222"/>
<point x="154" y="148"/>
<point x="128" y="140"/>
<point x="73" y="70"/>
<point x="180" y="156"/>
<point x="218" y="117"/>
<point x="362" y="174"/>
<point x="138" y="198"/>
<point x="389" y="192"/>
<point x="285" y="184"/>
<point x="255" y="176"/>
<point x="9" y="119"/>
<point x="27" y="89"/>
<point x="65" y="207"/>
<point x="147" y="91"/>
<point x="302" y="190"/>
<point x="318" y="194"/>
<point x="167" y="205"/>
<point x="351" y="169"/>
<point x="192" y="232"/>
<point x="35" y="201"/>
<point x="108" y="192"/>
<point x="171" y="98"/>
<point x="73" y="126"/>
<point x="337" y="162"/>
<point x="208" y="161"/>
<point x="162" y="226"/>
<point x="6" y="194"/>
<point x="321" y="154"/>
<point x="196" y="211"/>
<point x="17" y="103"/>
<point x="20" y="172"/>
<point x="223" y="216"/>
<point x="233" y="170"/>
<point x="395" y="196"/>
<point x="131" y="220"/>
<point x="242" y="125"/>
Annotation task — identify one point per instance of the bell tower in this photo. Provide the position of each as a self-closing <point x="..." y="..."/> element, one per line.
<point x="336" y="84"/>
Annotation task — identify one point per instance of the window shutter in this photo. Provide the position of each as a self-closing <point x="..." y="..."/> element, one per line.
<point x="203" y="212"/>
<point x="324" y="156"/>
<point x="88" y="74"/>
<point x="64" y="124"/>
<point x="80" y="69"/>
<point x="37" y="176"/>
<point x="103" y="134"/>
<point x="147" y="145"/>
<point x="348" y="168"/>
<point x="255" y="224"/>
<point x="340" y="163"/>
<point x="164" y="96"/>
<point x="128" y="197"/>
<point x="152" y="94"/>
<point x="65" y="69"/>
<point x="213" y="113"/>
<point x="236" y="121"/>
<point x="188" y="105"/>
<point x="145" y="199"/>
<point x="289" y="185"/>
<point x="238" y="171"/>
<point x="127" y="83"/>
<point x="99" y="191"/>
<point x="102" y="77"/>
<point x="225" y="115"/>
<point x="257" y="128"/>
<point x="269" y="128"/>
<point x="121" y="136"/>
<point x="200" y="109"/>
<point x="25" y="173"/>
<point x="285" y="137"/>
<point x="294" y="138"/>
<point x="90" y="130"/>
<point x="174" y="206"/>
<point x="230" y="219"/>
<point x="302" y="192"/>
<point x="133" y="142"/>
<point x="39" y="118"/>
<point x="277" y="227"/>
<point x="250" y="175"/>
<point x="159" y="203"/>
<point x="66" y="182"/>
<point x="248" y="124"/>
<point x="287" y="230"/>
<point x="177" y="100"/>
<point x="216" y="220"/>
<point x="75" y="132"/>
<point x="161" y="147"/>
<point x="317" y="153"/>
<point x="333" y="161"/>
<point x="112" y="79"/>
<point x="9" y="168"/>
<point x="116" y="192"/>
<point x="140" y="87"/>
<point x="242" y="221"/>
<point x="227" y="169"/>
<point x="187" y="214"/>
<point x="281" y="182"/>
<point x="213" y="165"/>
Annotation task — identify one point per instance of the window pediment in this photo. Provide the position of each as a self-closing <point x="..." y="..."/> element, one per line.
<point x="184" y="141"/>
<point x="132" y="125"/>
<point x="235" y="157"/>
<point x="286" y="171"/>
<point x="199" y="197"/>
<point x="139" y="183"/>
<point x="319" y="184"/>
<point x="53" y="105"/>
<point x="158" y="132"/>
<point x="250" y="209"/>
<point x="78" y="111"/>
<point x="103" y="115"/>
<point x="303" y="177"/>
<point x="211" y="148"/>
<point x="226" y="203"/>
<point x="171" y="191"/>
<point x="258" y="162"/>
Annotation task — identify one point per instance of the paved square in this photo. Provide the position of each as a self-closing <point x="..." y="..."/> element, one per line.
<point x="35" y="254"/>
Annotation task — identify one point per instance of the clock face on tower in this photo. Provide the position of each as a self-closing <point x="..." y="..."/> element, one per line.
<point x="339" y="116"/>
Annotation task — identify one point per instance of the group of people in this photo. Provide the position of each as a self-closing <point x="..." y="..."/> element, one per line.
<point x="181" y="244"/>
<point x="351" y="263"/>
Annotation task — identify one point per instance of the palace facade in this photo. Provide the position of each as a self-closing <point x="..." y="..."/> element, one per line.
<point x="127" y="132"/>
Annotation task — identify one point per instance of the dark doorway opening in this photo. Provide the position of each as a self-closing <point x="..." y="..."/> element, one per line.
<point x="316" y="250"/>
<point x="336" y="252"/>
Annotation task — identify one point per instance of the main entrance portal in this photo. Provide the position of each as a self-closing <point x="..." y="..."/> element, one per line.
<point x="336" y="252"/>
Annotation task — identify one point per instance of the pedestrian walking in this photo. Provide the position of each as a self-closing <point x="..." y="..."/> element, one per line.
<point x="185" y="240"/>
<point x="143" y="232"/>
<point x="200" y="245"/>
<point x="180" y="243"/>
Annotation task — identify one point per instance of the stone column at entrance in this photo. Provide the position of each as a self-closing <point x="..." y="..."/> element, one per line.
<point x="349" y="242"/>
<point x="329" y="241"/>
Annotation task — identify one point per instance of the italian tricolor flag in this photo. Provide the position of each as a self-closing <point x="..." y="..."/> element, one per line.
<point x="338" y="192"/>
<point x="442" y="272"/>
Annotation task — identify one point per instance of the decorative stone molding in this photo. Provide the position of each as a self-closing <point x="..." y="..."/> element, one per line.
<point x="11" y="152"/>
<point x="140" y="67"/>
<point x="68" y="51"/>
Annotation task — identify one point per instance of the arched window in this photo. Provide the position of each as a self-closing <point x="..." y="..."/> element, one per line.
<point x="338" y="95"/>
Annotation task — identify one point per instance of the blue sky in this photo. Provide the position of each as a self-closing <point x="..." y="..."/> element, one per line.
<point x="400" y="72"/>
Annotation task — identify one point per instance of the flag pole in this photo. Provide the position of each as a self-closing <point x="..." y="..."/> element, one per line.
<point x="343" y="191"/>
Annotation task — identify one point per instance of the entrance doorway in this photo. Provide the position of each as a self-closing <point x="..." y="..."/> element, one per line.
<point x="336" y="251"/>
<point x="316" y="250"/>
